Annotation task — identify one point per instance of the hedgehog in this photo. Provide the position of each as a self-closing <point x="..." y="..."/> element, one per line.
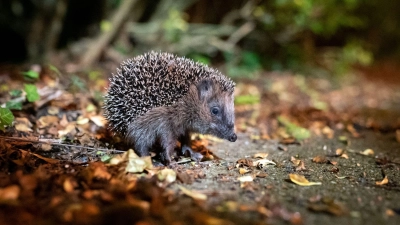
<point x="158" y="99"/>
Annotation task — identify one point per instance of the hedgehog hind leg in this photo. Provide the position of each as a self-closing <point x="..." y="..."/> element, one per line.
<point x="186" y="150"/>
<point x="168" y="143"/>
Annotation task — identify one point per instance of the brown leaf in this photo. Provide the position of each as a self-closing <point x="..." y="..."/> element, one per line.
<point x="398" y="135"/>
<point x="382" y="182"/>
<point x="301" y="180"/>
<point x="9" y="193"/>
<point x="243" y="171"/>
<point x="367" y="152"/>
<point x="319" y="159"/>
<point x="301" y="166"/>
<point x="339" y="152"/>
<point x="193" y="194"/>
<point x="22" y="127"/>
<point x="68" y="186"/>
<point x="261" y="155"/>
<point x="330" y="206"/>
<point x="295" y="161"/>
<point x="328" y="132"/>
<point x="244" y="162"/>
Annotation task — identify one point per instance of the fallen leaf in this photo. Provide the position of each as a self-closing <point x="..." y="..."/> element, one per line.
<point x="328" y="132"/>
<point x="261" y="163"/>
<point x="244" y="162"/>
<point x="246" y="178"/>
<point x="137" y="164"/>
<point x="339" y="152"/>
<point x="367" y="152"/>
<point x="45" y="121"/>
<point x="64" y="121"/>
<point x="301" y="180"/>
<point x="261" y="155"/>
<point x="243" y="171"/>
<point x="9" y="193"/>
<point x="328" y="205"/>
<point x="68" y="185"/>
<point x="398" y="135"/>
<point x="166" y="175"/>
<point x="344" y="155"/>
<point x="261" y="174"/>
<point x="319" y="159"/>
<point x="98" y="120"/>
<point x="193" y="194"/>
<point x="301" y="166"/>
<point x="82" y="120"/>
<point x="22" y="127"/>
<point x="382" y="182"/>
<point x="295" y="161"/>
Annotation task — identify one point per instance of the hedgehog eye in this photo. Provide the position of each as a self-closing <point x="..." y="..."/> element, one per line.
<point x="214" y="110"/>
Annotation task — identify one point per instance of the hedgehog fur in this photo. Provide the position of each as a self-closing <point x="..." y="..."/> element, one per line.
<point x="154" y="80"/>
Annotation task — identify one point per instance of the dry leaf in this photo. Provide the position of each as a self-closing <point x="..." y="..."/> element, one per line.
<point x="398" y="135"/>
<point x="261" y="174"/>
<point x="98" y="120"/>
<point x="22" y="127"/>
<point x="383" y="182"/>
<point x="166" y="175"/>
<point x="137" y="164"/>
<point x="82" y="120"/>
<point x="193" y="194"/>
<point x="244" y="162"/>
<point x="243" y="171"/>
<point x="328" y="132"/>
<point x="64" y="121"/>
<point x="339" y="152"/>
<point x="368" y="152"/>
<point x="261" y="155"/>
<point x="301" y="180"/>
<point x="301" y="166"/>
<point x="9" y="193"/>
<point x="345" y="156"/>
<point x="45" y="121"/>
<point x="319" y="159"/>
<point x="246" y="178"/>
<point x="261" y="163"/>
<point x="68" y="185"/>
<point x="295" y="161"/>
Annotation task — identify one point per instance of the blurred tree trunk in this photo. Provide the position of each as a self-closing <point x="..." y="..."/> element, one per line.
<point x="45" y="29"/>
<point x="104" y="39"/>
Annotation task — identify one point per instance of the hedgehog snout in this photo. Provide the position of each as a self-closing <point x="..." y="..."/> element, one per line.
<point x="232" y="138"/>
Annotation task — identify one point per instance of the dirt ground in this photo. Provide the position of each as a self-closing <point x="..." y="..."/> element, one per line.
<point x="358" y="200"/>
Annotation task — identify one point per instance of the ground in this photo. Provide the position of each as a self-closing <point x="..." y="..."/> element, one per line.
<point x="342" y="135"/>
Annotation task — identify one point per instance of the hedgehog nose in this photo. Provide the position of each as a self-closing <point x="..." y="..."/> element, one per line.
<point x="232" y="138"/>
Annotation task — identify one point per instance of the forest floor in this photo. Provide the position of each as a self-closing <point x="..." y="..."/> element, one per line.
<point x="309" y="151"/>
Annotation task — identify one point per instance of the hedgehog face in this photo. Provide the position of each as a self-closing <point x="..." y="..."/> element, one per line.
<point x="218" y="110"/>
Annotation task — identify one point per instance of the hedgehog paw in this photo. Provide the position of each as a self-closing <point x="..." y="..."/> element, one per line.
<point x="187" y="151"/>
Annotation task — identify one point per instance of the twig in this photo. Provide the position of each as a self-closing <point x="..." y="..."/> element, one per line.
<point x="56" y="142"/>
<point x="101" y="42"/>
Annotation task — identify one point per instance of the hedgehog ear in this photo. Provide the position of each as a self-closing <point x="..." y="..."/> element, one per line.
<point x="204" y="88"/>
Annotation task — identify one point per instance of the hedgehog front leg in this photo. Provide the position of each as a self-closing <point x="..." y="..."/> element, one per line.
<point x="168" y="143"/>
<point x="186" y="149"/>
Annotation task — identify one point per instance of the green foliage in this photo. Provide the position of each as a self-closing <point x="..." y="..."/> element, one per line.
<point x="6" y="118"/>
<point x="31" y="75"/>
<point x="15" y="93"/>
<point x="297" y="132"/>
<point x="174" y="26"/>
<point x="31" y="92"/>
<point x="247" y="64"/>
<point x="14" y="104"/>
<point x="247" y="99"/>
<point x="55" y="70"/>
